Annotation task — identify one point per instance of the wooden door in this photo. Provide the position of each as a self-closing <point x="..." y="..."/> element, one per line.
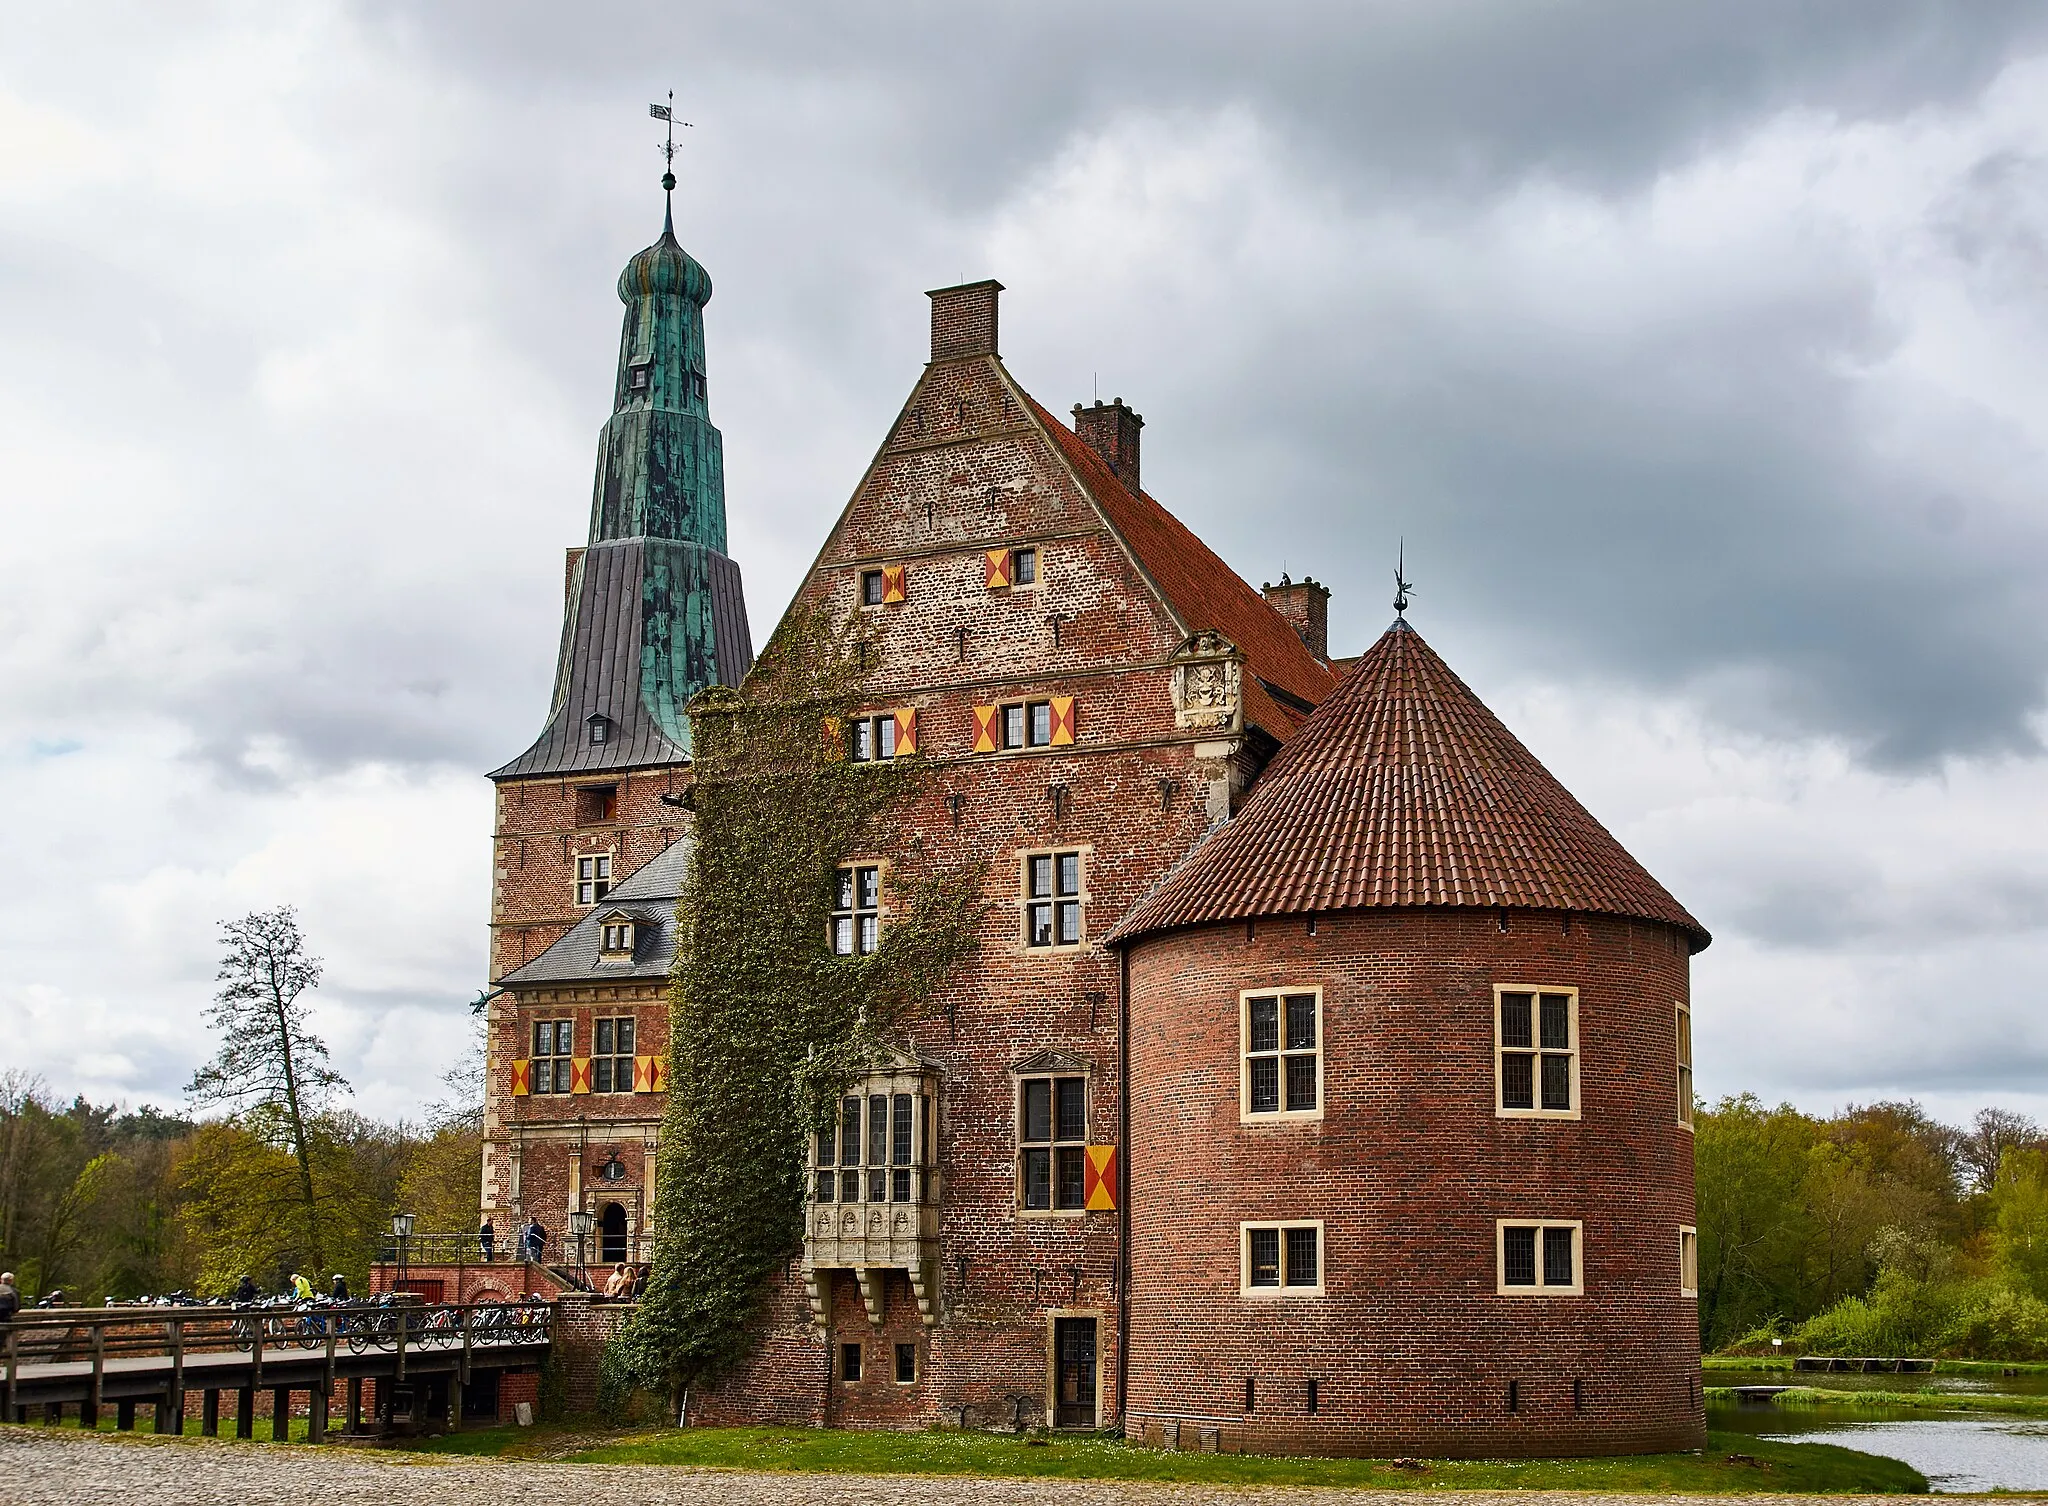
<point x="1073" y="1345"/>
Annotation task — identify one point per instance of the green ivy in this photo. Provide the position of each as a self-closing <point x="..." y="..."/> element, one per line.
<point x="766" y="1025"/>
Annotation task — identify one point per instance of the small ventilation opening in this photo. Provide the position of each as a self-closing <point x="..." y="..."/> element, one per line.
<point x="1251" y="1393"/>
<point x="1314" y="1396"/>
<point x="1514" y="1396"/>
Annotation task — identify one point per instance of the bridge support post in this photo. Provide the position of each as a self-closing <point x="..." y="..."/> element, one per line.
<point x="280" y="1415"/>
<point x="209" y="1413"/>
<point x="124" y="1414"/>
<point x="316" y="1417"/>
<point x="163" y="1411"/>
<point x="53" y="1414"/>
<point x="355" y="1404"/>
<point x="88" y="1414"/>
<point x="245" y="1412"/>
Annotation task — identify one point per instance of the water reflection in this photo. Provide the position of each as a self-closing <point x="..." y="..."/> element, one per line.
<point x="1966" y="1452"/>
<point x="1838" y="1380"/>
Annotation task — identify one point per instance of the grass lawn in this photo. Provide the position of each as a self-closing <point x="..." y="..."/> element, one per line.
<point x="1731" y="1464"/>
<point x="1918" y="1401"/>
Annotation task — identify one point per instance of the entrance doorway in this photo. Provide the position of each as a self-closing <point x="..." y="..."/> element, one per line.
<point x="1073" y="1350"/>
<point x="611" y="1233"/>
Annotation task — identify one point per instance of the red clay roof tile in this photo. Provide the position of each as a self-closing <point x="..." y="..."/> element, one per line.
<point x="1202" y="590"/>
<point x="1403" y="789"/>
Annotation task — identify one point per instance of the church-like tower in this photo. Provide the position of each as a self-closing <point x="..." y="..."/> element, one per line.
<point x="655" y="611"/>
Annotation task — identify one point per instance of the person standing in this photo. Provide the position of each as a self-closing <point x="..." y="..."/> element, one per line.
<point x="536" y="1239"/>
<point x="487" y="1238"/>
<point x="10" y="1298"/>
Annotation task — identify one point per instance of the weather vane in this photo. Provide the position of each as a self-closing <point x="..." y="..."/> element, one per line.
<point x="1401" y="586"/>
<point x="667" y="114"/>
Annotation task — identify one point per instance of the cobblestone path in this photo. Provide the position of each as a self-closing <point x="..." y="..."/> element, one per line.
<point x="40" y="1468"/>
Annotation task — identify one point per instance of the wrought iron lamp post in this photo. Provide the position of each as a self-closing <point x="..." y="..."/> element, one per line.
<point x="401" y="1225"/>
<point x="580" y="1224"/>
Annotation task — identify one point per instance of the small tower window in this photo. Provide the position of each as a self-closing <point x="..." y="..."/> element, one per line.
<point x="618" y="939"/>
<point x="600" y="730"/>
<point x="640" y="377"/>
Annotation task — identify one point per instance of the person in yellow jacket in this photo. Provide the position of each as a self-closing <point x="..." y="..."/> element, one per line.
<point x="302" y="1289"/>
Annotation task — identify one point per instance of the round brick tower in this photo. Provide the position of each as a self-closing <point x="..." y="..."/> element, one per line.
<point x="1409" y="1157"/>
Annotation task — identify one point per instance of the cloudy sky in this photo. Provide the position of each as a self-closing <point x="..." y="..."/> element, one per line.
<point x="1699" y="353"/>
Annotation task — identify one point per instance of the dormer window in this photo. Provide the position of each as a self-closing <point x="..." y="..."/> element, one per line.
<point x="600" y="730"/>
<point x="640" y="377"/>
<point x="617" y="938"/>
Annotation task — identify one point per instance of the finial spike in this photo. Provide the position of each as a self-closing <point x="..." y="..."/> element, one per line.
<point x="667" y="113"/>
<point x="1401" y="586"/>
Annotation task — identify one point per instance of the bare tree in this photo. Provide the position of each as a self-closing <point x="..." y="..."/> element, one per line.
<point x="1983" y="1145"/>
<point x="268" y="1059"/>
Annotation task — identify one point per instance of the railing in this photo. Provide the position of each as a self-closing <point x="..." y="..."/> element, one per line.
<point x="100" y="1335"/>
<point x="595" y="1253"/>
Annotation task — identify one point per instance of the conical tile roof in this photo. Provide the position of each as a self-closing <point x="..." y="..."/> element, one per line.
<point x="1403" y="789"/>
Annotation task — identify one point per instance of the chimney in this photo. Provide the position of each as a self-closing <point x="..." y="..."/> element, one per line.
<point x="1111" y="431"/>
<point x="1306" y="606"/>
<point x="964" y="320"/>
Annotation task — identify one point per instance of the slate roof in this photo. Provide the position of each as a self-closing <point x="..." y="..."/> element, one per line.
<point x="1202" y="591"/>
<point x="1403" y="789"/>
<point x="618" y="660"/>
<point x="649" y="896"/>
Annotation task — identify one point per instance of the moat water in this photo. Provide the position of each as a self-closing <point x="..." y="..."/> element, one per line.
<point x="1960" y="1451"/>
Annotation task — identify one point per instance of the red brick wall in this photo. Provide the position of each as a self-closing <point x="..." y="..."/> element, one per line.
<point x="1412" y="1347"/>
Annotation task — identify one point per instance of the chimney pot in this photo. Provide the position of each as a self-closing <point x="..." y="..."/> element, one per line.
<point x="1111" y="431"/>
<point x="964" y="320"/>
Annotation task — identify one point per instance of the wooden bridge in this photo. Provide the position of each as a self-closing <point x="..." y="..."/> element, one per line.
<point x="419" y="1357"/>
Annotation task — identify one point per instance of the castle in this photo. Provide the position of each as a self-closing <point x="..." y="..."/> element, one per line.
<point x="1323" y="1079"/>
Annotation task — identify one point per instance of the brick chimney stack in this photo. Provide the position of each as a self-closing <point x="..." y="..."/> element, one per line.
<point x="1306" y="606"/>
<point x="1111" y="431"/>
<point x="964" y="320"/>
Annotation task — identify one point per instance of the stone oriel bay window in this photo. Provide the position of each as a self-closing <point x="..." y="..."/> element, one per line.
<point x="874" y="1187"/>
<point x="1280" y="1073"/>
<point x="1539" y="1257"/>
<point x="1281" y="1259"/>
<point x="1536" y="1044"/>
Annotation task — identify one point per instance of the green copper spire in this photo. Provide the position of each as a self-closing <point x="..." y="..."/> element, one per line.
<point x="661" y="462"/>
<point x="656" y="611"/>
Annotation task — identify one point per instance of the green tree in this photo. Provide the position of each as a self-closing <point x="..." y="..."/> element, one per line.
<point x="1750" y="1173"/>
<point x="2019" y="1220"/>
<point x="269" y="1059"/>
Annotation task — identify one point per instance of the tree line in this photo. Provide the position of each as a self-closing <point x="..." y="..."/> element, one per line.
<point x="1876" y="1231"/>
<point x="287" y="1177"/>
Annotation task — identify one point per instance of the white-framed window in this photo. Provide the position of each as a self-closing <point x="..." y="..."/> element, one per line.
<point x="1052" y="1143"/>
<point x="1027" y="724"/>
<point x="1536" y="1049"/>
<point x="554" y="1045"/>
<point x="616" y="939"/>
<point x="1053" y="898"/>
<point x="1540" y="1257"/>
<point x="611" y="1059"/>
<point x="1684" y="1040"/>
<point x="1280" y="1035"/>
<point x="856" y="928"/>
<point x="593" y="877"/>
<point x="1281" y="1259"/>
<point x="1688" y="1261"/>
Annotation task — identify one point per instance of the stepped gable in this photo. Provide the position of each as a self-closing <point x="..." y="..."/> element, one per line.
<point x="1202" y="591"/>
<point x="1403" y="789"/>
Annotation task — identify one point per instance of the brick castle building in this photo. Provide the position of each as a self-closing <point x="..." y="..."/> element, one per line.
<point x="1323" y="1079"/>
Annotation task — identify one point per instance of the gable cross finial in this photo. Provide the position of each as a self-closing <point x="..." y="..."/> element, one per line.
<point x="667" y="113"/>
<point x="1401" y="585"/>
